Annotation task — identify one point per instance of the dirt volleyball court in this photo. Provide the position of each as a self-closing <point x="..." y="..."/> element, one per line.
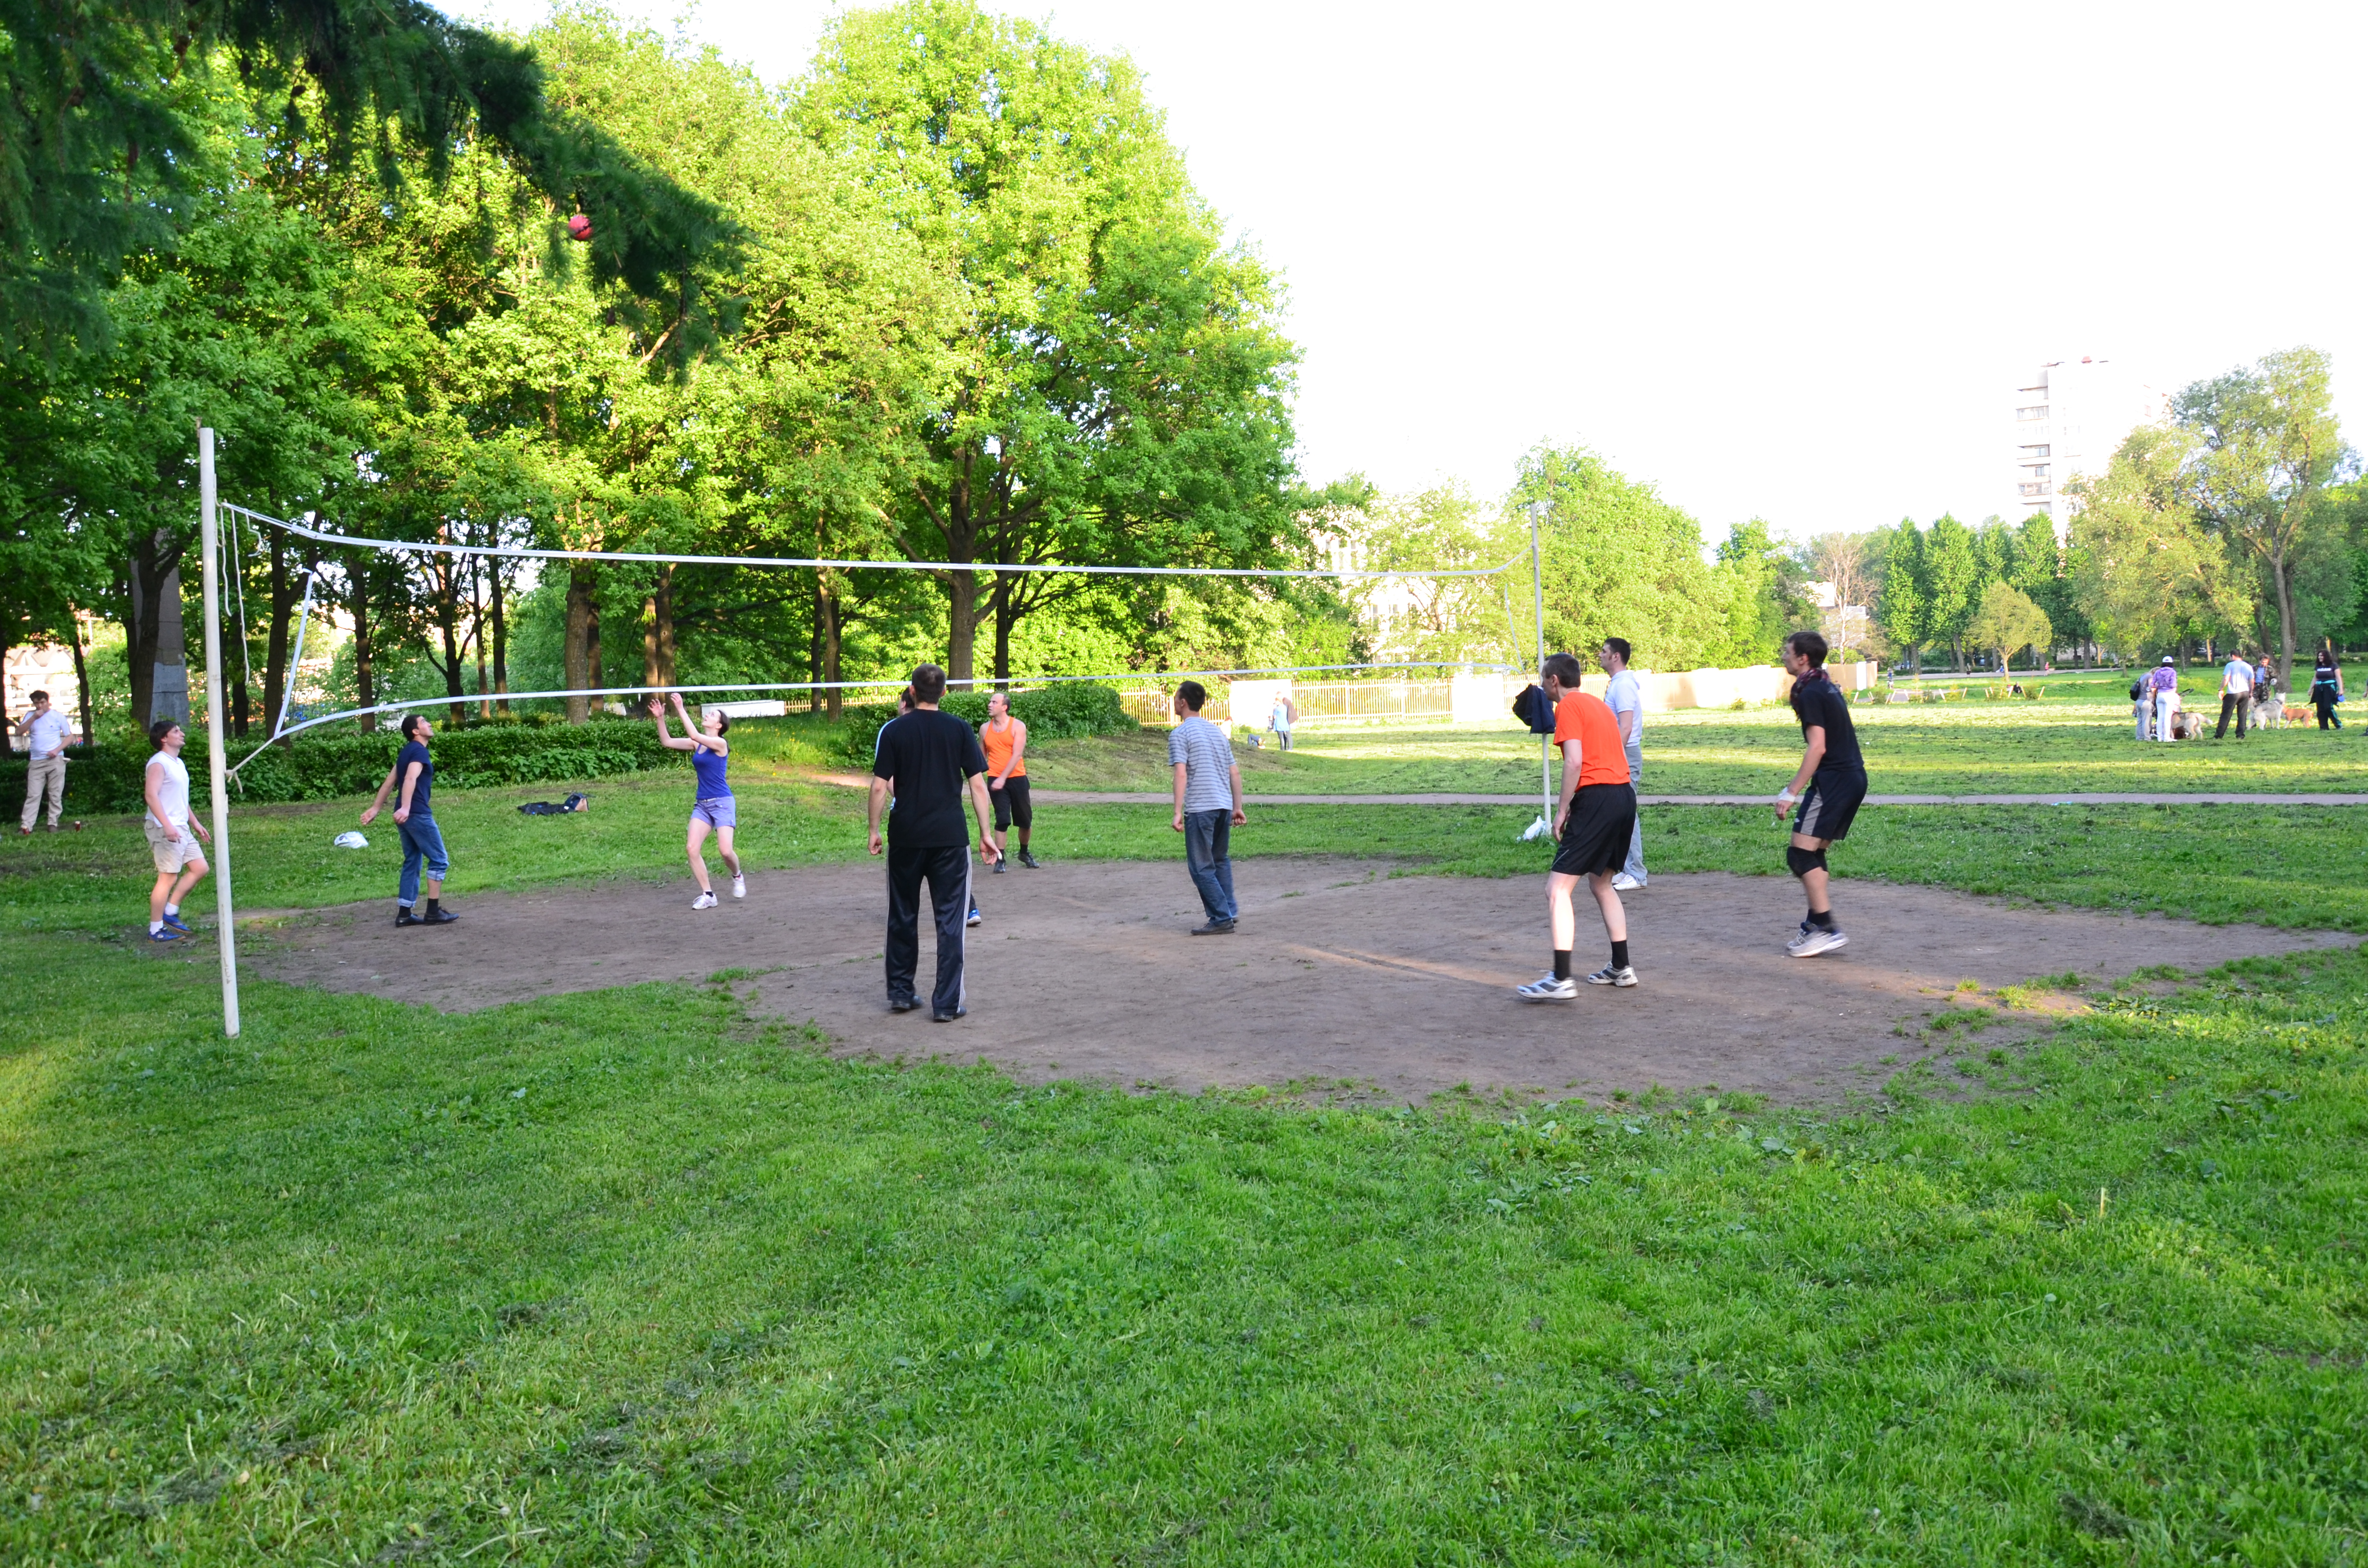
<point x="1339" y="972"/>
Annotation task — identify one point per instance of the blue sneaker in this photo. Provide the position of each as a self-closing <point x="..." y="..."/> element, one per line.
<point x="167" y="935"/>
<point x="175" y="923"/>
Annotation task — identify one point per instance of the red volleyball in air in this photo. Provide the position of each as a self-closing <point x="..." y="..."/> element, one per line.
<point x="579" y="227"/>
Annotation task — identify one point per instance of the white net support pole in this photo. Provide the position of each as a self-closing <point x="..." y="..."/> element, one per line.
<point x="1545" y="742"/>
<point x="216" y="763"/>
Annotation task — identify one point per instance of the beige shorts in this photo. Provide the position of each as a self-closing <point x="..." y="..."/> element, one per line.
<point x="171" y="854"/>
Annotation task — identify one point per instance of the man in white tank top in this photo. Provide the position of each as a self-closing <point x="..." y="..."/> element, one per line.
<point x="173" y="834"/>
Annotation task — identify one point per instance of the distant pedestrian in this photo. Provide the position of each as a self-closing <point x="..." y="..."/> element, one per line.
<point x="1593" y="817"/>
<point x="1284" y="715"/>
<point x="172" y="834"/>
<point x="2327" y="689"/>
<point x="1208" y="806"/>
<point x="930" y="761"/>
<point x="713" y="809"/>
<point x="1625" y="697"/>
<point x="2236" y="694"/>
<point x="2162" y="688"/>
<point x="45" y="767"/>
<point x="2265" y="680"/>
<point x="413" y="779"/>
<point x="1830" y="787"/>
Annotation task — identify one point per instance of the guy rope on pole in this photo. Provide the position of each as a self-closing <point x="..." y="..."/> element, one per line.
<point x="217" y="774"/>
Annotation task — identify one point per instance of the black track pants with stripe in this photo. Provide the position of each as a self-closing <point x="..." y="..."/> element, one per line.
<point x="948" y="871"/>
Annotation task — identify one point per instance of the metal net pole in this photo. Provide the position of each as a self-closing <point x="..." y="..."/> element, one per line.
<point x="217" y="771"/>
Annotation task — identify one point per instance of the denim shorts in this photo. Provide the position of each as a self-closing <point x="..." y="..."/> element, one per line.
<point x="721" y="811"/>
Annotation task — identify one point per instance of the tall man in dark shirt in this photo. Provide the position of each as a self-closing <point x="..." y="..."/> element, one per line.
<point x="935" y="760"/>
<point x="1830" y="786"/>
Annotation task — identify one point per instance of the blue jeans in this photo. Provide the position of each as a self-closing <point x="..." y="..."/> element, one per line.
<point x="1207" y="837"/>
<point x="421" y="841"/>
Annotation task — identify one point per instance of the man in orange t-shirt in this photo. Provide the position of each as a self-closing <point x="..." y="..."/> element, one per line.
<point x="1006" y="740"/>
<point x="1592" y="824"/>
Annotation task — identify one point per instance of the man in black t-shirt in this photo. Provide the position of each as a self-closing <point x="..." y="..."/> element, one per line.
<point x="934" y="760"/>
<point x="1830" y="787"/>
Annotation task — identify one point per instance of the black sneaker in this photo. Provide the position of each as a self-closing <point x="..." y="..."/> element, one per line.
<point x="1028" y="860"/>
<point x="949" y="1017"/>
<point x="902" y="1004"/>
<point x="1215" y="928"/>
<point x="998" y="865"/>
<point x="439" y="917"/>
<point x="402" y="916"/>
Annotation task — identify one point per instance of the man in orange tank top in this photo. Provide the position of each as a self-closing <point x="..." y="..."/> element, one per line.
<point x="1592" y="824"/>
<point x="1006" y="740"/>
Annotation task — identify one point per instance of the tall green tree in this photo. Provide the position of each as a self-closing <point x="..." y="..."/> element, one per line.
<point x="1618" y="560"/>
<point x="108" y="142"/>
<point x="2267" y="449"/>
<point x="1950" y="582"/>
<point x="2009" y="621"/>
<point x="2146" y="570"/>
<point x="1901" y="609"/>
<point x="1121" y="387"/>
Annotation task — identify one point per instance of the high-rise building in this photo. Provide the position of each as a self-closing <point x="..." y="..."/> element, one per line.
<point x="2068" y="420"/>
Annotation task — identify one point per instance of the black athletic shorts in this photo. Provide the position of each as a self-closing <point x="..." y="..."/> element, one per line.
<point x="1011" y="804"/>
<point x="1602" y="817"/>
<point x="1829" y="804"/>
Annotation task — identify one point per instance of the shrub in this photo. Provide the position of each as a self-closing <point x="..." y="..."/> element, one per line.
<point x="98" y="780"/>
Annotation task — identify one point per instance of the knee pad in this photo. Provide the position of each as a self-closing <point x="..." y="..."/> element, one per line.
<point x="1804" y="861"/>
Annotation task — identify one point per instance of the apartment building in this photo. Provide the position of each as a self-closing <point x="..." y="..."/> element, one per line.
<point x="2068" y="418"/>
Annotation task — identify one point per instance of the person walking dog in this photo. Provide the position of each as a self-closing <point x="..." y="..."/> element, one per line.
<point x="2327" y="689"/>
<point x="2236" y="694"/>
<point x="2162" y="690"/>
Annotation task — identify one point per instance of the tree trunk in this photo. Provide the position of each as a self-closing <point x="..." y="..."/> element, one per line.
<point x="2284" y="580"/>
<point x="962" y="627"/>
<point x="1006" y="613"/>
<point x="1915" y="658"/>
<point x="158" y="664"/>
<point x="275" y="647"/>
<point x="477" y="634"/>
<point x="365" y="685"/>
<point x="581" y="655"/>
<point x="657" y="632"/>
<point x="448" y="622"/>
<point x="813" y="651"/>
<point x="82" y="675"/>
<point x="831" y="643"/>
<point x="501" y="647"/>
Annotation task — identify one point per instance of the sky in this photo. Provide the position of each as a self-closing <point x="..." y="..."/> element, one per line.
<point x="1780" y="262"/>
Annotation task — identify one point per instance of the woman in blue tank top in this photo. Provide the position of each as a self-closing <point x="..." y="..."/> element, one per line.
<point x="712" y="807"/>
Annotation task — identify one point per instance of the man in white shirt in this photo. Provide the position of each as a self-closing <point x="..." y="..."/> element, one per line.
<point x="1625" y="697"/>
<point x="45" y="769"/>
<point x="2236" y="694"/>
<point x="173" y="834"/>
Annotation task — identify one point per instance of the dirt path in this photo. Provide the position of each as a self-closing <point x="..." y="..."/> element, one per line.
<point x="1339" y="972"/>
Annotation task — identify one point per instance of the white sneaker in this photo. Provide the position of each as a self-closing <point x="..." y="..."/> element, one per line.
<point x="1624" y="883"/>
<point x="1625" y="975"/>
<point x="739" y="887"/>
<point x="704" y="901"/>
<point x="1792" y="944"/>
<point x="1814" y="941"/>
<point x="1546" y="988"/>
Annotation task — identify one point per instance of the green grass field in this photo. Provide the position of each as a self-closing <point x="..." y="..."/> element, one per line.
<point x="630" y="1277"/>
<point x="1974" y="748"/>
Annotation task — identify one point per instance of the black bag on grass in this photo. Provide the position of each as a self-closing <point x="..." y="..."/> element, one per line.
<point x="575" y="802"/>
